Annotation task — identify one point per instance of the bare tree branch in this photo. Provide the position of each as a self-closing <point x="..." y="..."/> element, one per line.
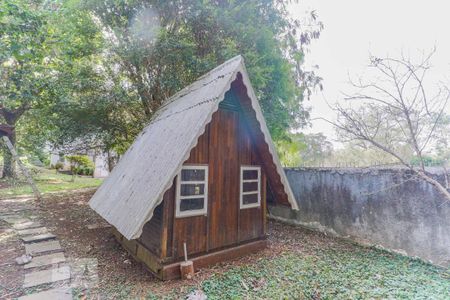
<point x="396" y="110"/>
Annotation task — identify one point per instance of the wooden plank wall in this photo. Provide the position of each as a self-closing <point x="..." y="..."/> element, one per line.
<point x="250" y="219"/>
<point x="151" y="233"/>
<point x="224" y="179"/>
<point x="229" y="141"/>
<point x="258" y="139"/>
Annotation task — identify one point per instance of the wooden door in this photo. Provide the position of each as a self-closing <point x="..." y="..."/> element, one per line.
<point x="223" y="179"/>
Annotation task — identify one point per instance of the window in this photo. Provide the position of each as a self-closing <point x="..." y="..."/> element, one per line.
<point x="250" y="195"/>
<point x="192" y="191"/>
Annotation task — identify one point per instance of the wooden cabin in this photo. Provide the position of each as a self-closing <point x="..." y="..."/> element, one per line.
<point x="200" y="173"/>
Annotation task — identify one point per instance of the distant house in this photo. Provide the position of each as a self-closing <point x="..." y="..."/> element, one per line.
<point x="98" y="157"/>
<point x="200" y="173"/>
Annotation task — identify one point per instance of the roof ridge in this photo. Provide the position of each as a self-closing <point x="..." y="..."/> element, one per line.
<point x="176" y="95"/>
<point x="188" y="89"/>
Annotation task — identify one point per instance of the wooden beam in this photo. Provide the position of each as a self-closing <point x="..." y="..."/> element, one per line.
<point x="264" y="202"/>
<point x="141" y="254"/>
<point x="172" y="271"/>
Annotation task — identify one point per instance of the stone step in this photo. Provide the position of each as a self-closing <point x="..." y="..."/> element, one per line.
<point x="45" y="260"/>
<point x="14" y="219"/>
<point x="38" y="238"/>
<point x="27" y="225"/>
<point x="46" y="276"/>
<point x="38" y="230"/>
<point x="41" y="247"/>
<point x="62" y="293"/>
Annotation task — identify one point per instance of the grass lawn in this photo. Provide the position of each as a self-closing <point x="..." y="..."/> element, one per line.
<point x="332" y="274"/>
<point x="47" y="181"/>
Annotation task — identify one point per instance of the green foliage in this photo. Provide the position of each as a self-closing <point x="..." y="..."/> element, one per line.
<point x="58" y="166"/>
<point x="332" y="274"/>
<point x="22" y="57"/>
<point x="428" y="161"/>
<point x="309" y="149"/>
<point x="363" y="155"/>
<point x="289" y="151"/>
<point x="81" y="165"/>
<point x="80" y="160"/>
<point x="159" y="47"/>
<point x="96" y="71"/>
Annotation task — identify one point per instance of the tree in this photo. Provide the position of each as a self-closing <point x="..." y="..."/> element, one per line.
<point x="100" y="69"/>
<point x="309" y="149"/>
<point x="162" y="46"/>
<point x="396" y="108"/>
<point x="59" y="91"/>
<point x="22" y="74"/>
<point x="317" y="148"/>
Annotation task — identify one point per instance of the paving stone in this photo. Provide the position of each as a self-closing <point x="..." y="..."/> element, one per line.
<point x="15" y="219"/>
<point x="8" y="214"/>
<point x="97" y="226"/>
<point x="46" y="276"/>
<point x="84" y="273"/>
<point x="38" y="238"/>
<point x="27" y="225"/>
<point x="45" y="260"/>
<point x="38" y="230"/>
<point x="53" y="294"/>
<point x="17" y="200"/>
<point x="36" y="248"/>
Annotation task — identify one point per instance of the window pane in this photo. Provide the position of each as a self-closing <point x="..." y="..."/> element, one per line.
<point x="250" y="199"/>
<point x="192" y="189"/>
<point x="191" y="204"/>
<point x="250" y="187"/>
<point x="193" y="175"/>
<point x="250" y="174"/>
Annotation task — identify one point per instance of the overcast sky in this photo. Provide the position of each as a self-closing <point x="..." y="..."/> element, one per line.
<point x="355" y="28"/>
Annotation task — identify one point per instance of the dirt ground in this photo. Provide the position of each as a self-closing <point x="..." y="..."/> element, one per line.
<point x="68" y="215"/>
<point x="312" y="256"/>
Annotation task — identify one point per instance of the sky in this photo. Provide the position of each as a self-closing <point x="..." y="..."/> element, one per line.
<point x="356" y="28"/>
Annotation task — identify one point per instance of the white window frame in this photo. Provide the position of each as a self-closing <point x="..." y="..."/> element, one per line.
<point x="241" y="191"/>
<point x="197" y="212"/>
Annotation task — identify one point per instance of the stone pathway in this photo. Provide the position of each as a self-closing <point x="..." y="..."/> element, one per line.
<point x="49" y="275"/>
<point x="47" y="264"/>
<point x="56" y="293"/>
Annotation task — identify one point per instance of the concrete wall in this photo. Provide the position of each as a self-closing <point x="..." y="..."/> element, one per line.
<point x="373" y="206"/>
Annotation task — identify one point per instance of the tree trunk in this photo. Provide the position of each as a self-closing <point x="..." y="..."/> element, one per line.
<point x="9" y="166"/>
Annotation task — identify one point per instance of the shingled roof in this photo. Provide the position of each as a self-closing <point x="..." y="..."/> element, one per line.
<point x="128" y="197"/>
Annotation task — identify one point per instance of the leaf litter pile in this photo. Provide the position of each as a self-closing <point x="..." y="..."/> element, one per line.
<point x="298" y="264"/>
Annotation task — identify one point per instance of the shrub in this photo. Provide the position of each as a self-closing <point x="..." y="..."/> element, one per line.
<point x="58" y="166"/>
<point x="81" y="164"/>
<point x="80" y="160"/>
